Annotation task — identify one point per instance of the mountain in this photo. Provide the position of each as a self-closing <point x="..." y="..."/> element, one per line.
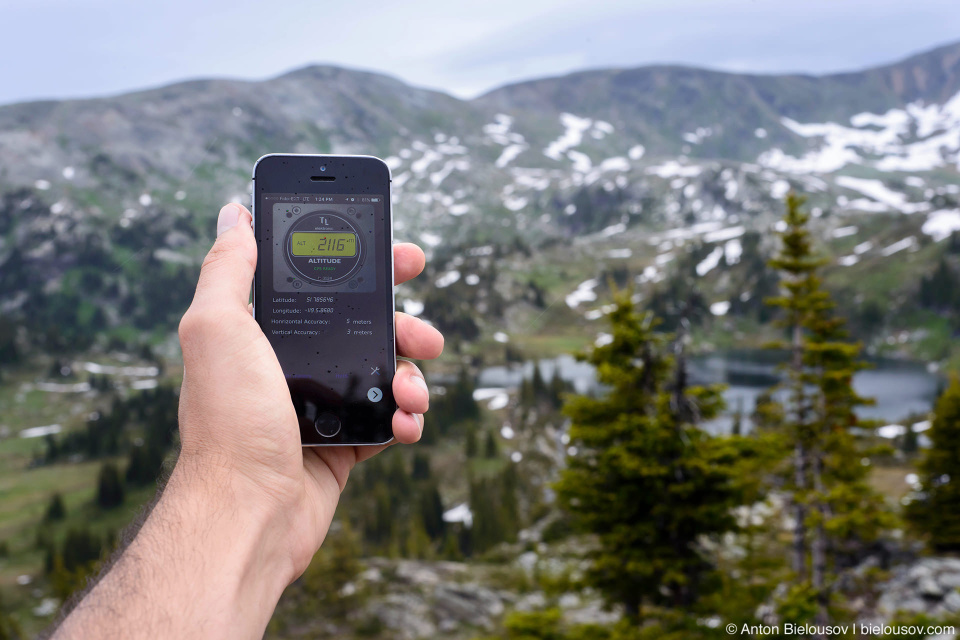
<point x="659" y="103"/>
<point x="106" y="205"/>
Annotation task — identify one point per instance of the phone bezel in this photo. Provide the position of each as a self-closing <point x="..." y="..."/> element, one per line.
<point x="354" y="174"/>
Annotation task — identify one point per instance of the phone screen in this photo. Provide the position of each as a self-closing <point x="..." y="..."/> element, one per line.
<point x="325" y="301"/>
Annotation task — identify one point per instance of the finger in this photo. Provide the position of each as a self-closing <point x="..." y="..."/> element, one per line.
<point x="416" y="339"/>
<point x="227" y="271"/>
<point x="407" y="427"/>
<point x="408" y="262"/>
<point x="410" y="389"/>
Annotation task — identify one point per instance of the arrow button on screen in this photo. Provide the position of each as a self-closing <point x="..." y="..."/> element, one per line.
<point x="374" y="394"/>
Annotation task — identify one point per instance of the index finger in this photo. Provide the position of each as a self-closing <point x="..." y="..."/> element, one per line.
<point x="408" y="261"/>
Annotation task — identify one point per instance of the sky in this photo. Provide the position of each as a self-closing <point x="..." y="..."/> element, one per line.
<point x="66" y="48"/>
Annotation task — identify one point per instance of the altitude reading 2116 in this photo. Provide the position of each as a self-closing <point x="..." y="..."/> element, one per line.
<point x="317" y="243"/>
<point x="325" y="248"/>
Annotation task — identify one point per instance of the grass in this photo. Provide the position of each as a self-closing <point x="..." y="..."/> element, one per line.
<point x="26" y="489"/>
<point x="24" y="495"/>
<point x="550" y="345"/>
<point x="889" y="480"/>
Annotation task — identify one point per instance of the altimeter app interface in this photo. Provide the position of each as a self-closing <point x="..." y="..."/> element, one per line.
<point x="324" y="282"/>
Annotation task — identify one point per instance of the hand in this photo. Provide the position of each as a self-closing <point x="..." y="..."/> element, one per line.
<point x="235" y="411"/>
<point x="246" y="507"/>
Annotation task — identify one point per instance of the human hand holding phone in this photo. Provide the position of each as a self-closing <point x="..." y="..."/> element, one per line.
<point x="235" y="402"/>
<point x="246" y="507"/>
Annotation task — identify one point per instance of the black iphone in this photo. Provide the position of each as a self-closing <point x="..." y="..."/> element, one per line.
<point x="323" y="291"/>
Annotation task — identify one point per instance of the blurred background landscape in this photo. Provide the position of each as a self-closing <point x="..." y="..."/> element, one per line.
<point x="683" y="477"/>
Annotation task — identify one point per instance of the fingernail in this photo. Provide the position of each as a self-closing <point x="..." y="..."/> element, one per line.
<point x="419" y="417"/>
<point x="420" y="382"/>
<point x="228" y="218"/>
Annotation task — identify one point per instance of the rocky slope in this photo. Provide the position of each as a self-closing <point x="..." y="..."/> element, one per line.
<point x="634" y="167"/>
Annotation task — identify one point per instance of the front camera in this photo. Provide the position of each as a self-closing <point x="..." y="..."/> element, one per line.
<point x="323" y="167"/>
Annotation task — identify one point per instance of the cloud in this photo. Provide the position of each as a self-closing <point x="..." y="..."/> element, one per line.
<point x="107" y="46"/>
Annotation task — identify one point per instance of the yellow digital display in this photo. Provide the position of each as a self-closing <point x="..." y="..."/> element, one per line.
<point x="318" y="243"/>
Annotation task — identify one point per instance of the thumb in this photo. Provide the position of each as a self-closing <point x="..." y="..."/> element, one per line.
<point x="227" y="271"/>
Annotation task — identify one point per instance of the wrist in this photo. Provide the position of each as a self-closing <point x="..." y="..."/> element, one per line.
<point x="208" y="562"/>
<point x="233" y="524"/>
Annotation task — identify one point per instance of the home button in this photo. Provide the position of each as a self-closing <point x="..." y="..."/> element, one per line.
<point x="327" y="425"/>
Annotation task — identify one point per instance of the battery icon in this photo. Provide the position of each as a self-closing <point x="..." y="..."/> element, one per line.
<point x="374" y="199"/>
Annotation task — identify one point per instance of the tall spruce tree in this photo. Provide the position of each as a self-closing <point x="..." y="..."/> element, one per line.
<point x="834" y="508"/>
<point x="56" y="509"/>
<point x="645" y="479"/>
<point x="935" y="511"/>
<point x="110" y="491"/>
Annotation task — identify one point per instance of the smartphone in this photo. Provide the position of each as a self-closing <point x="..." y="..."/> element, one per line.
<point x="323" y="291"/>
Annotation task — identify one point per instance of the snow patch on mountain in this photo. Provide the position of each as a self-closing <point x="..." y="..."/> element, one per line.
<point x="940" y="224"/>
<point x="514" y="203"/>
<point x="724" y="234"/>
<point x="583" y="293"/>
<point x="448" y="279"/>
<point x="412" y="307"/>
<point x="732" y="251"/>
<point x="581" y="161"/>
<point x="710" y="262"/>
<point x="720" y="308"/>
<point x="673" y="169"/>
<point x="498" y="131"/>
<point x="897" y="247"/>
<point x="430" y="239"/>
<point x="919" y="137"/>
<point x="876" y="190"/>
<point x="508" y="154"/>
<point x="618" y="163"/>
<point x="574" y="128"/>
<point x="698" y="136"/>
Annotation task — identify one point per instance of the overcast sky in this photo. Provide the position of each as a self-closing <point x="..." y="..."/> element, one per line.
<point x="66" y="48"/>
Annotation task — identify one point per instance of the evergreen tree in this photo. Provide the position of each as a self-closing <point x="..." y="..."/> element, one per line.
<point x="493" y="502"/>
<point x="509" y="503"/>
<point x="81" y="548"/>
<point x="416" y="543"/>
<point x="451" y="546"/>
<point x="456" y="406"/>
<point x="9" y="629"/>
<point x="144" y="464"/>
<point x="526" y="396"/>
<point x="397" y="480"/>
<point x="537" y="385"/>
<point x="110" y="492"/>
<point x="834" y="508"/>
<point x="935" y="511"/>
<point x="490" y="447"/>
<point x="421" y="466"/>
<point x="55" y="510"/>
<point x="336" y="565"/>
<point x="645" y="479"/>
<point x="431" y="511"/>
<point x="471" y="447"/>
<point x="52" y="448"/>
<point x="939" y="290"/>
<point x="380" y="518"/>
<point x="558" y="387"/>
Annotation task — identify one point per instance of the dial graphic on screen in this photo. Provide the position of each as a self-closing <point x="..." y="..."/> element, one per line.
<point x="324" y="248"/>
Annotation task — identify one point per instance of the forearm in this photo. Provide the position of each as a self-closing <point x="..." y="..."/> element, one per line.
<point x="200" y="567"/>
